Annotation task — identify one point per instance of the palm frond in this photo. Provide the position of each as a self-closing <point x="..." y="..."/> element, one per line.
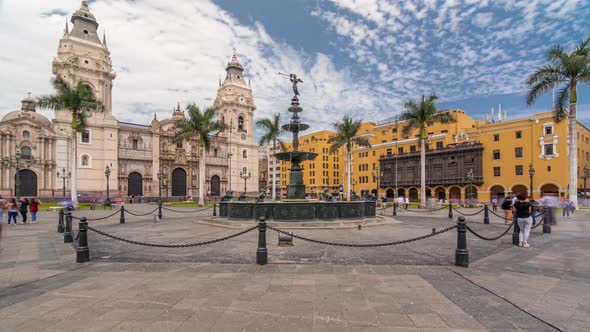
<point x="361" y="141"/>
<point x="539" y="88"/>
<point x="562" y="104"/>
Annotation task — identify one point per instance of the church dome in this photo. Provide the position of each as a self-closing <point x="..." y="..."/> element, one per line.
<point x="27" y="111"/>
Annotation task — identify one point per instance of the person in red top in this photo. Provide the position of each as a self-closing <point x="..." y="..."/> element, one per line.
<point x="34" y="207"/>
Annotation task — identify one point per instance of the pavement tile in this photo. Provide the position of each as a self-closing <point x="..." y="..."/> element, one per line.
<point x="427" y="320"/>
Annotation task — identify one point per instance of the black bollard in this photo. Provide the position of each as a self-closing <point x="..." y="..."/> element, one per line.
<point x="214" y="209"/>
<point x="261" y="252"/>
<point x="60" y="221"/>
<point x="486" y="214"/>
<point x="450" y="210"/>
<point x="160" y="209"/>
<point x="82" y="252"/>
<point x="68" y="231"/>
<point x="461" y="253"/>
<point x="547" y="221"/>
<point x="515" y="231"/>
<point x="122" y="218"/>
<point x="394" y="209"/>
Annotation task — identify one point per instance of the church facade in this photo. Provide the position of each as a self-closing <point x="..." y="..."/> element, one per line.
<point x="143" y="159"/>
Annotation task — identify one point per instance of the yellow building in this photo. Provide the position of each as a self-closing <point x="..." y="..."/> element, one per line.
<point x="510" y="147"/>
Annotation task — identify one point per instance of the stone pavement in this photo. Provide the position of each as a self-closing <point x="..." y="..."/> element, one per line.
<point x="308" y="287"/>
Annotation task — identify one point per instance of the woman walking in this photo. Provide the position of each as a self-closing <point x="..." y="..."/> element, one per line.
<point x="12" y="210"/>
<point x="24" y="204"/>
<point x="507" y="207"/>
<point x="34" y="208"/>
<point x="522" y="210"/>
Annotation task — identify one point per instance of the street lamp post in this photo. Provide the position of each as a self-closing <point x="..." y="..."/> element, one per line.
<point x="470" y="179"/>
<point x="161" y="176"/>
<point x="531" y="175"/>
<point x="64" y="177"/>
<point x="585" y="177"/>
<point x="245" y="176"/>
<point x="107" y="173"/>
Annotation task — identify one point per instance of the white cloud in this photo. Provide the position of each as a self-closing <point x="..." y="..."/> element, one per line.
<point x="164" y="54"/>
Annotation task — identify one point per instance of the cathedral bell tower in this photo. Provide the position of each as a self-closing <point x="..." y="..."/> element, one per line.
<point x="235" y="107"/>
<point x="83" y="57"/>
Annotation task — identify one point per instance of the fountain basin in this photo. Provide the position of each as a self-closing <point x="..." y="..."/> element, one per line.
<point x="295" y="156"/>
<point x="298" y="210"/>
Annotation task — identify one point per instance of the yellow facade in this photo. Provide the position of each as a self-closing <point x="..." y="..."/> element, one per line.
<point x="510" y="147"/>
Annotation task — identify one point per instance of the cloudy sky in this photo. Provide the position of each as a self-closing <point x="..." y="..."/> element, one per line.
<point x="358" y="57"/>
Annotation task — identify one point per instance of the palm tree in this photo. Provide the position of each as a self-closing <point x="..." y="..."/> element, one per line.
<point x="199" y="125"/>
<point x="79" y="100"/>
<point x="346" y="135"/>
<point x="272" y="130"/>
<point x="417" y="115"/>
<point x="566" y="70"/>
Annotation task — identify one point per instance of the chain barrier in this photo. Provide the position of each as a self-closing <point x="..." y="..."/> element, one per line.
<point x="469" y="214"/>
<point x="367" y="245"/>
<point x="180" y="211"/>
<point x="185" y="245"/>
<point x="140" y="214"/>
<point x="422" y="210"/>
<point x="497" y="215"/>
<point x="489" y="238"/>
<point x="538" y="223"/>
<point x="101" y="218"/>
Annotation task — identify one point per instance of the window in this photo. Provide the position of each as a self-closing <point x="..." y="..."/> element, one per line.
<point x="383" y="132"/>
<point x="548" y="149"/>
<point x="85" y="161"/>
<point x="548" y="168"/>
<point x="400" y="150"/>
<point x="215" y="151"/>
<point x="240" y="123"/>
<point x="519" y="170"/>
<point x="244" y="154"/>
<point x="518" y="152"/>
<point x="439" y="145"/>
<point x="548" y="130"/>
<point x="412" y="148"/>
<point x="518" y="134"/>
<point x="444" y="131"/>
<point x="85" y="31"/>
<point x="25" y="152"/>
<point x="26" y="134"/>
<point x="373" y="153"/>
<point x="389" y="152"/>
<point x="496" y="137"/>
<point x="496" y="154"/>
<point x="179" y="145"/>
<point x="430" y="123"/>
<point x="134" y="144"/>
<point x="85" y="137"/>
<point x="496" y="171"/>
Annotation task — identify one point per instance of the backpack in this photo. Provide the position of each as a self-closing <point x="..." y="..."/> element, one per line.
<point x="506" y="204"/>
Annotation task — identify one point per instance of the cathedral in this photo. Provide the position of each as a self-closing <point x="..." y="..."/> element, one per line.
<point x="143" y="159"/>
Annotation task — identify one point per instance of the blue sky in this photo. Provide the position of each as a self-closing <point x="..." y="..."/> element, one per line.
<point x="357" y="57"/>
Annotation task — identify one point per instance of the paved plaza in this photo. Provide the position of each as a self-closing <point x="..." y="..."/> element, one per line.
<point x="307" y="287"/>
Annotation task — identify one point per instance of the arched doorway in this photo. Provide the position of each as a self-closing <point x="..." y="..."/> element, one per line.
<point x="518" y="188"/>
<point x="497" y="191"/>
<point x="401" y="192"/>
<point x="413" y="193"/>
<point x="455" y="193"/>
<point x="389" y="193"/>
<point x="134" y="184"/>
<point x="28" y="182"/>
<point x="549" y="189"/>
<point x="440" y="193"/>
<point x="178" y="182"/>
<point x="215" y="186"/>
<point x="428" y="193"/>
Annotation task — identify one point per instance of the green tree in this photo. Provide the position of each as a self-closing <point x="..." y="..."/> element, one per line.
<point x="272" y="130"/>
<point x="79" y="100"/>
<point x="346" y="136"/>
<point x="417" y="114"/>
<point x="199" y="126"/>
<point x="565" y="71"/>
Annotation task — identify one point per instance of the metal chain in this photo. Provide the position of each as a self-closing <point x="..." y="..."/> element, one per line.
<point x="490" y="238"/>
<point x="141" y="214"/>
<point x="367" y="245"/>
<point x="469" y="214"/>
<point x="179" y="211"/>
<point x="102" y="218"/>
<point x="497" y="215"/>
<point x="185" y="245"/>
<point x="539" y="222"/>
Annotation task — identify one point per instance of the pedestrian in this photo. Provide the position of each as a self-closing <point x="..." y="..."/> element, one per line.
<point x="407" y="202"/>
<point x="34" y="208"/>
<point x="571" y="207"/>
<point x="522" y="209"/>
<point x="384" y="201"/>
<point x="12" y="210"/>
<point x="24" y="204"/>
<point x="2" y="208"/>
<point x="565" y="206"/>
<point x="507" y="207"/>
<point x="495" y="204"/>
<point x="400" y="202"/>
